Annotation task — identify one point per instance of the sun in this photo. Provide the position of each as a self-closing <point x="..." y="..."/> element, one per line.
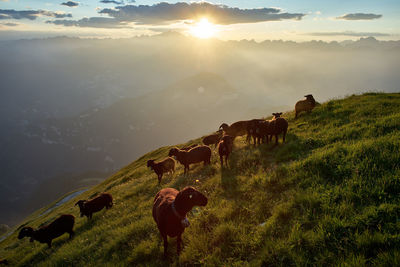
<point x="203" y="29"/>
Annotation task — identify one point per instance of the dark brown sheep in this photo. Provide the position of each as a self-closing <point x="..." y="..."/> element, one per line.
<point x="45" y="234"/>
<point x="225" y="149"/>
<point x="258" y="129"/>
<point x="277" y="126"/>
<point x="169" y="212"/>
<point x="238" y="128"/>
<point x="187" y="148"/>
<point x="305" y="105"/>
<point x="212" y="139"/>
<point x="194" y="155"/>
<point x="161" y="167"/>
<point x="88" y="207"/>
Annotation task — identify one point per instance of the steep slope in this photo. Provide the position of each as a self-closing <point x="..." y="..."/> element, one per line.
<point x="327" y="196"/>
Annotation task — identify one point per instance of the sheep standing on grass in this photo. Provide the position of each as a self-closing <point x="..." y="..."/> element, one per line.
<point x="238" y="128"/>
<point x="259" y="130"/>
<point x="161" y="167"/>
<point x="194" y="155"/>
<point x="225" y="149"/>
<point x="277" y="126"/>
<point x="169" y="212"/>
<point x="45" y="234"/>
<point x="88" y="207"/>
<point x="212" y="139"/>
<point x="305" y="105"/>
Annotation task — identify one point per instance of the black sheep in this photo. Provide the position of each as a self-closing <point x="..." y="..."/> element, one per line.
<point x="45" y="234"/>
<point x="88" y="207"/>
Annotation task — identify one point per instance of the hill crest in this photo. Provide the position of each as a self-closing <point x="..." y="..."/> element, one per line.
<point x="327" y="196"/>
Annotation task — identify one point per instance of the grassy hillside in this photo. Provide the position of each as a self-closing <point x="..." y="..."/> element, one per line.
<point x="330" y="195"/>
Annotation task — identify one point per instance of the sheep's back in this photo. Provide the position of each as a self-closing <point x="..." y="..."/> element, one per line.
<point x="59" y="226"/>
<point x="198" y="154"/>
<point x="168" y="164"/>
<point x="98" y="203"/>
<point x="304" y="105"/>
<point x="211" y="139"/>
<point x="237" y="128"/>
<point x="162" y="200"/>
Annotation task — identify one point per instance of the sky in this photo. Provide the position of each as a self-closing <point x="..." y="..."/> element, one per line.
<point x="224" y="19"/>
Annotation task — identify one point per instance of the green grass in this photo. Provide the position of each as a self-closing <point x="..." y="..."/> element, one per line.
<point x="329" y="196"/>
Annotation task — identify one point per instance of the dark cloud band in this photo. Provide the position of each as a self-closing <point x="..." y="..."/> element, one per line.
<point x="70" y="4"/>
<point x="112" y="2"/>
<point x="94" y="22"/>
<point x="162" y="13"/>
<point x="30" y="14"/>
<point x="360" y="16"/>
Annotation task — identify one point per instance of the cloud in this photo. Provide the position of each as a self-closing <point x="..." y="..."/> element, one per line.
<point x="360" y="16"/>
<point x="94" y="22"/>
<point x="162" y="13"/>
<point x="349" y="33"/>
<point x="31" y="14"/>
<point x="70" y="4"/>
<point x="10" y="24"/>
<point x="112" y="2"/>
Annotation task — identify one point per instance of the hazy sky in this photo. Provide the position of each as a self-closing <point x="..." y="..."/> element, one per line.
<point x="234" y="19"/>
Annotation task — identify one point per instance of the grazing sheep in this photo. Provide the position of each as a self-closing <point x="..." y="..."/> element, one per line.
<point x="277" y="126"/>
<point x="197" y="154"/>
<point x="258" y="129"/>
<point x="225" y="148"/>
<point x="161" y="167"/>
<point x="212" y="139"/>
<point x="238" y="128"/>
<point x="45" y="234"/>
<point x="188" y="147"/>
<point x="88" y="207"/>
<point x="305" y="105"/>
<point x="169" y="212"/>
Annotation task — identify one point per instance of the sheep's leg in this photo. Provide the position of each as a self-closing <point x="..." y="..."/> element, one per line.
<point x="222" y="161"/>
<point x="284" y="136"/>
<point x="159" y="178"/>
<point x="296" y="115"/>
<point x="49" y="243"/>
<point x="276" y="139"/>
<point x="71" y="233"/>
<point x="165" y="245"/>
<point x="178" y="244"/>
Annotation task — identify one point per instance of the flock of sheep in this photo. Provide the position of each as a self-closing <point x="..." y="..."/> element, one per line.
<point x="170" y="205"/>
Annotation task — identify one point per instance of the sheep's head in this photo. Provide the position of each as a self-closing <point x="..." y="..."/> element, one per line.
<point x="309" y="97"/>
<point x="190" y="197"/>
<point x="173" y="152"/>
<point x="26" y="231"/>
<point x="81" y="204"/>
<point x="223" y="127"/>
<point x="150" y="163"/>
<point x="276" y="115"/>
